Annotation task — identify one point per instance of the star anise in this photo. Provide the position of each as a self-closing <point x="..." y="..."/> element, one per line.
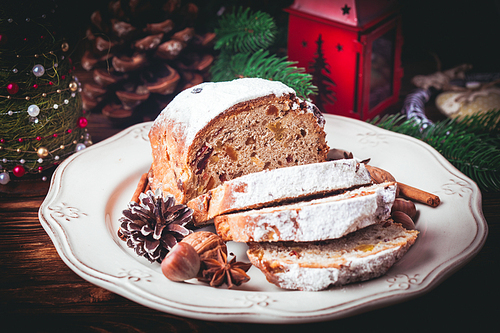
<point x="219" y="271"/>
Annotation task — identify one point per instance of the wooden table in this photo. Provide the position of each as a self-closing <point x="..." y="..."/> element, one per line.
<point x="39" y="293"/>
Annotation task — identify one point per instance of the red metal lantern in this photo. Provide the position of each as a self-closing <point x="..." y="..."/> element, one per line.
<point x="352" y="49"/>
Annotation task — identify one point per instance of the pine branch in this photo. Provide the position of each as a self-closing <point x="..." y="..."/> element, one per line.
<point x="221" y="69"/>
<point x="243" y="31"/>
<point x="243" y="39"/>
<point x="471" y="144"/>
<point x="263" y="65"/>
<point x="487" y="122"/>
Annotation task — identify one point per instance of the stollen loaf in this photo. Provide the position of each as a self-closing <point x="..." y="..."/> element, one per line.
<point x="214" y="132"/>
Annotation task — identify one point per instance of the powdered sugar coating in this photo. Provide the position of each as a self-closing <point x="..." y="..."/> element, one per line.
<point x="321" y="219"/>
<point x="297" y="181"/>
<point x="359" y="256"/>
<point x="315" y="279"/>
<point x="192" y="109"/>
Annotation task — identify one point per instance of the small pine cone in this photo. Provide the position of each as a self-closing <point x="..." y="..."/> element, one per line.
<point x="153" y="226"/>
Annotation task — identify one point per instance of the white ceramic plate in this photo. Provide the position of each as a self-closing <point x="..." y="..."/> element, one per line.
<point x="90" y="189"/>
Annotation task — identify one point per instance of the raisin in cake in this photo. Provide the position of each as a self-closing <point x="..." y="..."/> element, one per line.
<point x="215" y="132"/>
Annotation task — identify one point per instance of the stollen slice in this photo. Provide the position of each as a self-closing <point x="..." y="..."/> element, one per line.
<point x="320" y="219"/>
<point x="311" y="266"/>
<point x="271" y="187"/>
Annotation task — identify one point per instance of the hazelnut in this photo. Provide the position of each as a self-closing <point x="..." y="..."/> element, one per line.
<point x="404" y="219"/>
<point x="181" y="263"/>
<point x="205" y="243"/>
<point x="405" y="206"/>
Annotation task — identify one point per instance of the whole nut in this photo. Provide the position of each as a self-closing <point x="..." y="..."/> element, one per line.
<point x="379" y="175"/>
<point x="405" y="206"/>
<point x="181" y="263"/>
<point x="205" y="243"/>
<point x="405" y="220"/>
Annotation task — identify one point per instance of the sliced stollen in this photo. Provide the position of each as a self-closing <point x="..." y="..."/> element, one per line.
<point x="217" y="131"/>
<point x="360" y="256"/>
<point x="315" y="220"/>
<point x="260" y="189"/>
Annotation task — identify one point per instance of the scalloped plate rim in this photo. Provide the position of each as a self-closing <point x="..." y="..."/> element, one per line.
<point x="57" y="234"/>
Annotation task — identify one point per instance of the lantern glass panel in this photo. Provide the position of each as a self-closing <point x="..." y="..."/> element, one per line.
<point x="382" y="68"/>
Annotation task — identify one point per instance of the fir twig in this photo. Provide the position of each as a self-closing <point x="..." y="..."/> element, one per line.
<point x="263" y="65"/>
<point x="471" y="144"/>
<point x="243" y="39"/>
<point x="222" y="69"/>
<point x="244" y="31"/>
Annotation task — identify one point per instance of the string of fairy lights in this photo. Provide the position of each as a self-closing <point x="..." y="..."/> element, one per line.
<point x="41" y="119"/>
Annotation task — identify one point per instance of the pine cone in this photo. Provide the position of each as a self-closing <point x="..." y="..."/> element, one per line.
<point x="153" y="226"/>
<point x="142" y="53"/>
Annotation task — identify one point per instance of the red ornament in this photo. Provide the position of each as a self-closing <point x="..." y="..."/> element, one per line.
<point x="18" y="171"/>
<point x="35" y="86"/>
<point x="39" y="138"/>
<point x="20" y="140"/>
<point x="12" y="88"/>
<point x="2" y="140"/>
<point x="82" y="122"/>
<point x="70" y="130"/>
<point x="40" y="169"/>
<point x="54" y="135"/>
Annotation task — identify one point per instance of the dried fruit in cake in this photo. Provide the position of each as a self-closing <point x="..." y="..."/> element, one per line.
<point x="215" y="132"/>
<point x="311" y="266"/>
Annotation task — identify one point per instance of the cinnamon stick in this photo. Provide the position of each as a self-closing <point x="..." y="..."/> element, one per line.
<point x="379" y="175"/>
<point x="141" y="187"/>
<point x="418" y="195"/>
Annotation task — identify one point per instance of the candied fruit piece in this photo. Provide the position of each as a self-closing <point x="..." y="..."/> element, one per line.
<point x="364" y="247"/>
<point x="258" y="162"/>
<point x="202" y="158"/>
<point x="277" y="130"/>
<point x="210" y="184"/>
<point x="231" y="153"/>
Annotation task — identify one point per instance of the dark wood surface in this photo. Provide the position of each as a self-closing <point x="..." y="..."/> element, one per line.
<point x="39" y="293"/>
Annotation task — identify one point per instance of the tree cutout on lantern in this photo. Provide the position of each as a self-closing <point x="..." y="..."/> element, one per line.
<point x="326" y="94"/>
<point x="362" y="40"/>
